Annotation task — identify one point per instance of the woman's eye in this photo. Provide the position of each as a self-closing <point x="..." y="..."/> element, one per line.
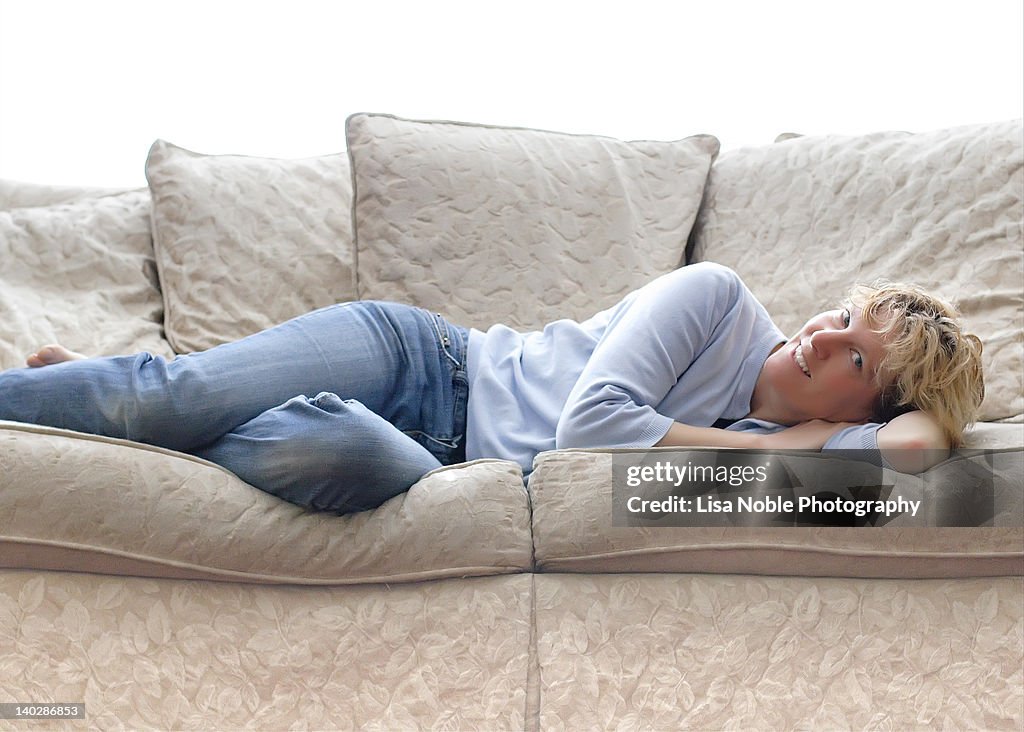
<point x="846" y="318"/>
<point x="858" y="360"/>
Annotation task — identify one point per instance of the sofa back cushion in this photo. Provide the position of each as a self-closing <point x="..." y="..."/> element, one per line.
<point x="244" y="243"/>
<point x="804" y="219"/>
<point x="81" y="274"/>
<point x="21" y="194"/>
<point x="517" y="226"/>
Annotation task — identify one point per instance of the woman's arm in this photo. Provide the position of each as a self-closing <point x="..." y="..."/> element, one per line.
<point x="804" y="436"/>
<point x="910" y="443"/>
<point x="652" y="339"/>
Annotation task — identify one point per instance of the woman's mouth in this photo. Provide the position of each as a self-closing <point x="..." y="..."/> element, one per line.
<point x="798" y="356"/>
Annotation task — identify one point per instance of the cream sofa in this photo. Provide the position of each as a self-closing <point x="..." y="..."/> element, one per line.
<point x="165" y="593"/>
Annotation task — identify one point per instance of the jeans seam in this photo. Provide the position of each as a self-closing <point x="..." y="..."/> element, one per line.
<point x="444" y="340"/>
<point x="452" y="443"/>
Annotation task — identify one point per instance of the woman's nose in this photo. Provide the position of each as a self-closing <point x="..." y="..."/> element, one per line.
<point x="823" y="342"/>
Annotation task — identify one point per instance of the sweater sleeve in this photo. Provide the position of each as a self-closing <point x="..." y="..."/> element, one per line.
<point x="863" y="438"/>
<point x="858" y="437"/>
<point x="645" y="349"/>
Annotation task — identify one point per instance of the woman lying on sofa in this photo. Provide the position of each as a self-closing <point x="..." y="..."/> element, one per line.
<point x="349" y="405"/>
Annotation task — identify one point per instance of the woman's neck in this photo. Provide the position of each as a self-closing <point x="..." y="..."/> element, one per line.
<point x="764" y="402"/>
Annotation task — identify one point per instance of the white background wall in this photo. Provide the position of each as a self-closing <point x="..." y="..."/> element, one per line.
<point x="87" y="85"/>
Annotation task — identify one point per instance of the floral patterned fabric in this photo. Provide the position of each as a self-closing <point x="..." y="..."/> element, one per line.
<point x="79" y="272"/>
<point x="120" y="507"/>
<point x="515" y="226"/>
<point x="244" y="243"/>
<point x="738" y="652"/>
<point x="184" y="655"/>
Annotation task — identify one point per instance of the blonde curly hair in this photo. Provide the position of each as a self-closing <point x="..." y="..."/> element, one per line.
<point x="931" y="364"/>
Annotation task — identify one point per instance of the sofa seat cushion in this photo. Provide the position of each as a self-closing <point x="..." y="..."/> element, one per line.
<point x="80" y="502"/>
<point x="707" y="652"/>
<point x="572" y="497"/>
<point x="169" y="654"/>
<point x="82" y="274"/>
<point x="804" y="219"/>
<point x="244" y="243"/>
<point x="516" y="226"/>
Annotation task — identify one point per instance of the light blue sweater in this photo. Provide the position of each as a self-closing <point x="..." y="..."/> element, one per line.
<point x="686" y="347"/>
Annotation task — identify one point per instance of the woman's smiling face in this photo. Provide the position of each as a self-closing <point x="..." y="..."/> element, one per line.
<point x="828" y="370"/>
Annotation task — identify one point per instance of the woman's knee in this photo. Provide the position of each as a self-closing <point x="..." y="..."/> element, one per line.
<point x="324" y="453"/>
<point x="149" y="410"/>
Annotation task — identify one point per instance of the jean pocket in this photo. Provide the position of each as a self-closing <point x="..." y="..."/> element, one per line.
<point x="447" y="340"/>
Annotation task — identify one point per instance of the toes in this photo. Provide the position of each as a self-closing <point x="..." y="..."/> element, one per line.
<point x="51" y="354"/>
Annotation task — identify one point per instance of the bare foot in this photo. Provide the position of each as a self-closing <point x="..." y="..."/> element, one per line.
<point x="51" y="354"/>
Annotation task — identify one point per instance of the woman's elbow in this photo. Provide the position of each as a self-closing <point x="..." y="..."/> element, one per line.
<point x="569" y="434"/>
<point x="913" y="443"/>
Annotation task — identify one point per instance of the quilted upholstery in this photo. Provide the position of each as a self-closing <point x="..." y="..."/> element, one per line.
<point x="699" y="652"/>
<point x="497" y="225"/>
<point x="163" y="654"/>
<point x="121" y="507"/>
<point x="804" y="219"/>
<point x="244" y="243"/>
<point x="81" y="274"/>
<point x="19" y="194"/>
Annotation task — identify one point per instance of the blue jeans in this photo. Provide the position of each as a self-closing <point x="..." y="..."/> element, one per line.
<point x="337" y="410"/>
